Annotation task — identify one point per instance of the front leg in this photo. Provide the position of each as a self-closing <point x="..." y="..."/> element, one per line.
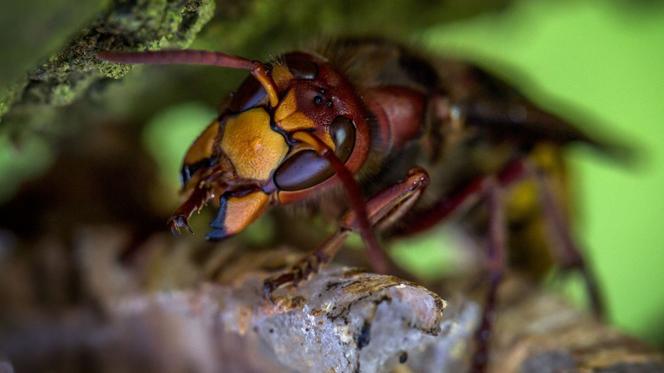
<point x="383" y="210"/>
<point x="197" y="199"/>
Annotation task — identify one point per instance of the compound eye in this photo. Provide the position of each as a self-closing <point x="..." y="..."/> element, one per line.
<point x="306" y="168"/>
<point x="301" y="66"/>
<point x="342" y="131"/>
<point x="303" y="170"/>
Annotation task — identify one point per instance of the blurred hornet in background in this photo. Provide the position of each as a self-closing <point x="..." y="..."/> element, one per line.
<point x="411" y="142"/>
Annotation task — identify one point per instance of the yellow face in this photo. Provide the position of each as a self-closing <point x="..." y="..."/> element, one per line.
<point x="288" y="117"/>
<point x="293" y="115"/>
<point x="252" y="146"/>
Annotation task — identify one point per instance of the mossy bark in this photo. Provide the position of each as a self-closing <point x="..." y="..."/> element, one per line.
<point x="124" y="25"/>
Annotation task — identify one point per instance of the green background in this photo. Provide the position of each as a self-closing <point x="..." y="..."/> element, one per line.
<point x="607" y="59"/>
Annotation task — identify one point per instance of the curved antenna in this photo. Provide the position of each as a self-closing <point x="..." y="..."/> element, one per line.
<point x="198" y="57"/>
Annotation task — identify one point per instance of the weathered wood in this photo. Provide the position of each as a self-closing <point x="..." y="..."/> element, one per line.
<point x="342" y="320"/>
<point x="540" y="332"/>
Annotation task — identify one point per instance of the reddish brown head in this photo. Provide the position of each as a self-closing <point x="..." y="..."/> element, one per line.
<point x="274" y="141"/>
<point x="316" y="100"/>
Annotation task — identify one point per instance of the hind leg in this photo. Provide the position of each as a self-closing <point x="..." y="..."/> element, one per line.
<point x="383" y="210"/>
<point x="496" y="249"/>
<point x="567" y="253"/>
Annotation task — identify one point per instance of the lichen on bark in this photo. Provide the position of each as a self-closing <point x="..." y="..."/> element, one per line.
<point x="124" y="25"/>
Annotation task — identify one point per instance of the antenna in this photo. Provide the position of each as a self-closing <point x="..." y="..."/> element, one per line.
<point x="198" y="57"/>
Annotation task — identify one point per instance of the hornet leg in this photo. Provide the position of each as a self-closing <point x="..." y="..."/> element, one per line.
<point x="567" y="252"/>
<point x="382" y="210"/>
<point x="180" y="218"/>
<point x="496" y="266"/>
